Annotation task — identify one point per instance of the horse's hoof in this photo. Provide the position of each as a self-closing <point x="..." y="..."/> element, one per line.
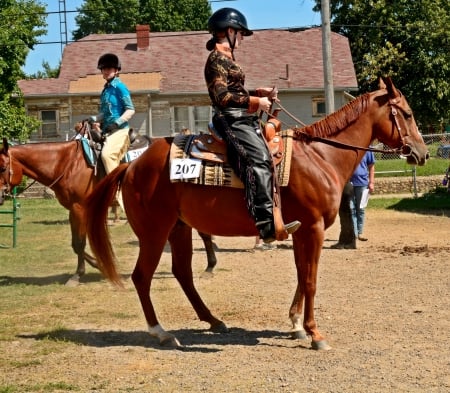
<point x="321" y="345"/>
<point x="298" y="334"/>
<point x="208" y="273"/>
<point x="73" y="281"/>
<point x="220" y="328"/>
<point x="170" y="342"/>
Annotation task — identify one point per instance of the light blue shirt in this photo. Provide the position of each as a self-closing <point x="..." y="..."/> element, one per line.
<point x="114" y="101"/>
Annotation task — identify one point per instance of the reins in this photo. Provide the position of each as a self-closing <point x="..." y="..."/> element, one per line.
<point x="303" y="135"/>
<point x="11" y="173"/>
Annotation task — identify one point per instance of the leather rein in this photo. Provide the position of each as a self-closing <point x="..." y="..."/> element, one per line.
<point x="404" y="150"/>
<point x="11" y="173"/>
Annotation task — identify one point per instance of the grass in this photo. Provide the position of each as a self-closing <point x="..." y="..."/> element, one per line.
<point x="35" y="302"/>
<point x="399" y="167"/>
<point x="432" y="202"/>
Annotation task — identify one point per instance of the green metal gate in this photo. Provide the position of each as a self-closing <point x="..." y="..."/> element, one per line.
<point x="14" y="212"/>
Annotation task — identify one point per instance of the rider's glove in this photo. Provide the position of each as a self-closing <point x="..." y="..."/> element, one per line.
<point x="111" y="127"/>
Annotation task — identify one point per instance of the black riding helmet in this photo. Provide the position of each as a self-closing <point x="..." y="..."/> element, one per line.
<point x="228" y="17"/>
<point x="109" y="60"/>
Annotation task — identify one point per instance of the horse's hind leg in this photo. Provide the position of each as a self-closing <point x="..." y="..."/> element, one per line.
<point x="149" y="256"/>
<point x="181" y="244"/>
<point x="210" y="253"/>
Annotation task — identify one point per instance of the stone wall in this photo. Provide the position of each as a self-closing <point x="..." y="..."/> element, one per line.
<point x="405" y="185"/>
<point x="383" y="185"/>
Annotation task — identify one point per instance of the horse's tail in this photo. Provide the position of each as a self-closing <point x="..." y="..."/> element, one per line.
<point x="97" y="206"/>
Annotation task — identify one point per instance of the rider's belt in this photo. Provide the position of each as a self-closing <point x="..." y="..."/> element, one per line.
<point x="233" y="112"/>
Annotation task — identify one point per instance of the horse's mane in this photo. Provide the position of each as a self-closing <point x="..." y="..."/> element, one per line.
<point x="337" y="121"/>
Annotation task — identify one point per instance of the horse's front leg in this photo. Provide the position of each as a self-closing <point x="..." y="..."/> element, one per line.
<point x="307" y="248"/>
<point x="181" y="244"/>
<point x="78" y="231"/>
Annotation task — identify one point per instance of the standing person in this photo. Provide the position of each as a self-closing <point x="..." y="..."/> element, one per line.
<point x="116" y="109"/>
<point x="347" y="237"/>
<point x="235" y="118"/>
<point x="362" y="179"/>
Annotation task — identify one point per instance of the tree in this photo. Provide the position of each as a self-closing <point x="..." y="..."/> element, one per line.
<point x="48" y="72"/>
<point x="408" y="40"/>
<point x="21" y="23"/>
<point x="107" y="17"/>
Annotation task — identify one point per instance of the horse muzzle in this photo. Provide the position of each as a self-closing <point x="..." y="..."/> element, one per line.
<point x="414" y="156"/>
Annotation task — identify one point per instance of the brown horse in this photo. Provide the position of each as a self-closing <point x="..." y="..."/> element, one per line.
<point x="62" y="167"/>
<point x="159" y="210"/>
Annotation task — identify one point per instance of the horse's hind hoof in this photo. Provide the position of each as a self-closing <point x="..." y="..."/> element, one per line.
<point x="170" y="342"/>
<point x="321" y="345"/>
<point x="73" y="281"/>
<point x="220" y="328"/>
<point x="298" y="335"/>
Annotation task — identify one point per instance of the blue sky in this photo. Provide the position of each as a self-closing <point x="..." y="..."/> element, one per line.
<point x="261" y="14"/>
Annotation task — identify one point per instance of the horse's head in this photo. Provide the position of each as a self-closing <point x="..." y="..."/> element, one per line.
<point x="4" y="170"/>
<point x="398" y="129"/>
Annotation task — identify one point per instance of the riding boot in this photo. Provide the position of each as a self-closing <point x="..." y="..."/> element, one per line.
<point x="250" y="158"/>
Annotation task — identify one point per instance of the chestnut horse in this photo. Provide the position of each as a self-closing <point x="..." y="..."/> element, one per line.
<point x="322" y="162"/>
<point x="61" y="166"/>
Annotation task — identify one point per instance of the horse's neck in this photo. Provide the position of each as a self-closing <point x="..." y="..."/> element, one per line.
<point x="42" y="162"/>
<point x="351" y="130"/>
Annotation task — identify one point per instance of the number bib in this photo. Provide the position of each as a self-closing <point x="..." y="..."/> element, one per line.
<point x="185" y="168"/>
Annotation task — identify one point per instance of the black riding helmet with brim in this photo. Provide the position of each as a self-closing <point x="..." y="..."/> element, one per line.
<point x="109" y="60"/>
<point x="228" y="17"/>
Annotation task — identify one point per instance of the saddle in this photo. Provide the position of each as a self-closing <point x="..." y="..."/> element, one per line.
<point x="92" y="142"/>
<point x="211" y="147"/>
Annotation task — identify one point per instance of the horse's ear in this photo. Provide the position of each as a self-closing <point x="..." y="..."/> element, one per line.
<point x="392" y="91"/>
<point x="381" y="84"/>
<point x="5" y="145"/>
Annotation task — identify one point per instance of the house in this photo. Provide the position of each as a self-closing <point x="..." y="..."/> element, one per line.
<point x="164" y="72"/>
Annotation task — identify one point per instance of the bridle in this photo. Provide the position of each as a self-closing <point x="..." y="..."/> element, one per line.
<point x="404" y="150"/>
<point x="5" y="175"/>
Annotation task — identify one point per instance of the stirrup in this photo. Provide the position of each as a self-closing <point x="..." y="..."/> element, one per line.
<point x="292" y="226"/>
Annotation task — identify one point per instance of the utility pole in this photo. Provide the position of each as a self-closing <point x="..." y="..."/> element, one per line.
<point x="326" y="54"/>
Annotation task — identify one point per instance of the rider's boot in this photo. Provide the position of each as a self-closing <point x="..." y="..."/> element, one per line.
<point x="268" y="232"/>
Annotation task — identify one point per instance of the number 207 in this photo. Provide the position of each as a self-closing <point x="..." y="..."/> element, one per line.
<point x="185" y="169"/>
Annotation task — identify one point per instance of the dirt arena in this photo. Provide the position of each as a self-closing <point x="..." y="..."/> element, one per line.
<point x="384" y="308"/>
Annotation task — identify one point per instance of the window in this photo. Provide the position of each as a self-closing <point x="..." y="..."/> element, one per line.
<point x="49" y="127"/>
<point x="195" y="118"/>
<point x="318" y="107"/>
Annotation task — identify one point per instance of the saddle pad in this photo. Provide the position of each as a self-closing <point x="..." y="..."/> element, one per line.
<point x="216" y="174"/>
<point x="88" y="151"/>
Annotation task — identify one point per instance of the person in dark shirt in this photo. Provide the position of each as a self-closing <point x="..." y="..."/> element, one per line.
<point x="236" y="118"/>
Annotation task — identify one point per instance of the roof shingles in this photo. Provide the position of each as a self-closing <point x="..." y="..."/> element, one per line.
<point x="266" y="57"/>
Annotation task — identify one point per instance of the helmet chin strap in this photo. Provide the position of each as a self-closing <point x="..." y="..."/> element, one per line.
<point x="232" y="43"/>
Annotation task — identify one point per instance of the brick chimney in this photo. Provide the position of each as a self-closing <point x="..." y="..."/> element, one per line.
<point x="143" y="37"/>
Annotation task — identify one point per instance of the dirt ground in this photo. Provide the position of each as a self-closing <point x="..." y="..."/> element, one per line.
<point x="384" y="308"/>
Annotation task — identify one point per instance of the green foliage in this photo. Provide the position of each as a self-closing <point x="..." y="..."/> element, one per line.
<point x="21" y="23"/>
<point x="106" y="16"/>
<point x="408" y="40"/>
<point x="15" y="124"/>
<point x="48" y="72"/>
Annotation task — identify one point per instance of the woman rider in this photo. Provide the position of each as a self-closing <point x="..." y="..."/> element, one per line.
<point x="235" y="118"/>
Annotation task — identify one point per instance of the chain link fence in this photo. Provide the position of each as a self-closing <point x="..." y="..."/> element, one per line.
<point x="393" y="165"/>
